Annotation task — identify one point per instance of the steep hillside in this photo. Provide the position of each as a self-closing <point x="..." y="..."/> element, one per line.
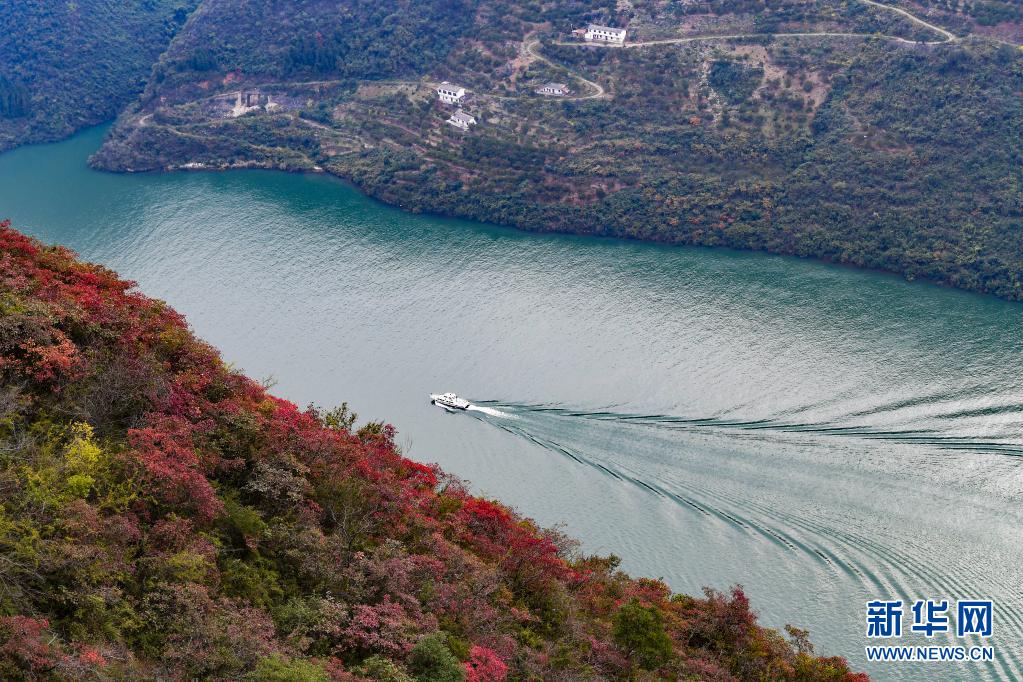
<point x="849" y="130"/>
<point x="165" y="518"/>
<point x="309" y="39"/>
<point x="999" y="19"/>
<point x="66" y="65"/>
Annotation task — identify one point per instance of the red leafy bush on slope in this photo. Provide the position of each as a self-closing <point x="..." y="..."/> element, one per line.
<point x="162" y="517"/>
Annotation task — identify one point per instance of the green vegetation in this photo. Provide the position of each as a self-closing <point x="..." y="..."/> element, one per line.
<point x="736" y="81"/>
<point x="67" y="65"/>
<point x="432" y="661"/>
<point x="377" y="41"/>
<point x="278" y="669"/>
<point x="314" y="39"/>
<point x="919" y="157"/>
<point x="992" y="13"/>
<point x="164" y="518"/>
<point x="889" y="145"/>
<point x="640" y="631"/>
<point x="984" y="12"/>
<point x="13" y="99"/>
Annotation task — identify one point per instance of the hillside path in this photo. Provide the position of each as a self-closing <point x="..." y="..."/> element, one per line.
<point x="947" y="36"/>
<point x="529" y="47"/>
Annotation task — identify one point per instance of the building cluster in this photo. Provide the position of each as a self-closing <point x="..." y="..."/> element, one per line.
<point x="449" y="93"/>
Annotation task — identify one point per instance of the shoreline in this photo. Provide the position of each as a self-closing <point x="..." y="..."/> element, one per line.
<point x="199" y="167"/>
<point x="426" y="210"/>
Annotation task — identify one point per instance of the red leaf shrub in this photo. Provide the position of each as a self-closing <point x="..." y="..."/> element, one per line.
<point x="484" y="665"/>
<point x="206" y="529"/>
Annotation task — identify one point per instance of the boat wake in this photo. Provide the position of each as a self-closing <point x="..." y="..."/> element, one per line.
<point x="493" y="412"/>
<point x="924" y="435"/>
<point x="825" y="499"/>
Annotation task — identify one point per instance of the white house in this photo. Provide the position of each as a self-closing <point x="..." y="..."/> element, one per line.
<point x="605" y="34"/>
<point x="462" y="120"/>
<point x="450" y="93"/>
<point x="553" y="89"/>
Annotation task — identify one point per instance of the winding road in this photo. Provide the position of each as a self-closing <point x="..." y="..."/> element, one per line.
<point x="947" y="36"/>
<point x="529" y="48"/>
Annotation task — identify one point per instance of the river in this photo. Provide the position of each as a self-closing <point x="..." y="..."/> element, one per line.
<point x="821" y="435"/>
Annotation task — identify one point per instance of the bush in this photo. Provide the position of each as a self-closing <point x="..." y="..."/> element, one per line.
<point x="432" y="661"/>
<point x="734" y="80"/>
<point x="278" y="669"/>
<point x="640" y="631"/>
<point x="380" y="669"/>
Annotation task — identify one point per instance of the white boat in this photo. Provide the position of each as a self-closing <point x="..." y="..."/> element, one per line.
<point x="450" y="401"/>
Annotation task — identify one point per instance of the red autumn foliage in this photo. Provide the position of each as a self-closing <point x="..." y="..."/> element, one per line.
<point x="90" y="657"/>
<point x="484" y="665"/>
<point x="215" y="529"/>
<point x="26" y="643"/>
<point x="171" y="467"/>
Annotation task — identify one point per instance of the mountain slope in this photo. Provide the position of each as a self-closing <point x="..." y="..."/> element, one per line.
<point x="848" y="130"/>
<point x="67" y="65"/>
<point x="166" y="518"/>
<point x="308" y="39"/>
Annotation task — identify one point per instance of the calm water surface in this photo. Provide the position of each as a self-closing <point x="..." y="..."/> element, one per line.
<point x="820" y="435"/>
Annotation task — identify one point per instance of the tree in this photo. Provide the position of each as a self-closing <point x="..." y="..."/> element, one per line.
<point x="382" y="670"/>
<point x="279" y="669"/>
<point x="484" y="665"/>
<point x="432" y="661"/>
<point x="640" y="631"/>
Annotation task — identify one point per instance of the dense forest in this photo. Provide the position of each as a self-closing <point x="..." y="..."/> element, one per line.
<point x="66" y="65"/>
<point x="314" y="38"/>
<point x="166" y="518"/>
<point x="985" y="12"/>
<point x="13" y="99"/>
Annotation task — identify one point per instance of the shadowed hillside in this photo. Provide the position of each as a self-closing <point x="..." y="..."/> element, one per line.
<point x="67" y="65"/>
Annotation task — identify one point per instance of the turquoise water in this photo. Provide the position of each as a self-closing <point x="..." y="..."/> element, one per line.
<point x="821" y="435"/>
